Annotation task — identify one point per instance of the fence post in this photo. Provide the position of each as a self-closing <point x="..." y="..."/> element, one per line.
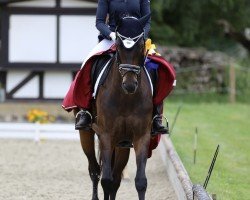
<point x="200" y="193"/>
<point x="37" y="132"/>
<point x="232" y="84"/>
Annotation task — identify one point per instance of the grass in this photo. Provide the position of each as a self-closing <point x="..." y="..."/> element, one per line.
<point x="217" y="123"/>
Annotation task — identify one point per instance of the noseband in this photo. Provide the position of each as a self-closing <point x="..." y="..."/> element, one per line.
<point x="128" y="43"/>
<point x="125" y="68"/>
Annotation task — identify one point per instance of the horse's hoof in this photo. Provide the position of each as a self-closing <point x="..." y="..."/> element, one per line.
<point x="125" y="144"/>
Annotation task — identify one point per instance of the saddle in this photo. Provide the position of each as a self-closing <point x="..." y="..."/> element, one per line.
<point x="100" y="71"/>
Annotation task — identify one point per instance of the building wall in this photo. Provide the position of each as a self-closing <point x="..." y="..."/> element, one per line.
<point x="30" y="90"/>
<point x="33" y="38"/>
<point x="36" y="39"/>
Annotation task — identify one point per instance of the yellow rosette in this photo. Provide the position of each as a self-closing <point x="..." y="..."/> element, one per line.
<point x="151" y="48"/>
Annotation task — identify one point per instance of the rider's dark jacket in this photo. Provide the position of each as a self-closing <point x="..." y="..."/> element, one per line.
<point x="135" y="8"/>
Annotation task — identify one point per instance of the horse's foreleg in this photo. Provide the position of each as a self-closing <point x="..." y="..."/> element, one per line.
<point x="106" y="156"/>
<point x="121" y="160"/>
<point x="88" y="146"/>
<point x="141" y="150"/>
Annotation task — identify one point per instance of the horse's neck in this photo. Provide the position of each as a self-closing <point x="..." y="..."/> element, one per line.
<point x="115" y="99"/>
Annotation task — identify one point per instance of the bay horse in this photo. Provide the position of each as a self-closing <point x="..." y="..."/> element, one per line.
<point x="124" y="109"/>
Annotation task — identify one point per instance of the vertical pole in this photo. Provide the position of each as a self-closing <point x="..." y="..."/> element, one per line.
<point x="41" y="85"/>
<point x="175" y="119"/>
<point x="232" y="84"/>
<point x="37" y="133"/>
<point x="195" y="143"/>
<point x="5" y="18"/>
<point x="211" y="167"/>
<point x="58" y="38"/>
<point x="3" y="77"/>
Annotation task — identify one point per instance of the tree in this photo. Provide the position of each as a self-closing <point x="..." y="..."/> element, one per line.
<point x="241" y="37"/>
<point x="194" y="23"/>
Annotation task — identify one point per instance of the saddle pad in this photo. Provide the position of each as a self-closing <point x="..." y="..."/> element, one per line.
<point x="150" y="79"/>
<point x="100" y="72"/>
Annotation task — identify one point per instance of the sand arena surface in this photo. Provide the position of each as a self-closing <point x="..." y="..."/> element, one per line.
<point x="57" y="170"/>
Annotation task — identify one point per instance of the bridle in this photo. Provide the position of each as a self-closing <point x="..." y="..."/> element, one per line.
<point x="128" y="43"/>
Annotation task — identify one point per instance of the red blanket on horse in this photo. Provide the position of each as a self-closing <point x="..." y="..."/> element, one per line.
<point x="80" y="92"/>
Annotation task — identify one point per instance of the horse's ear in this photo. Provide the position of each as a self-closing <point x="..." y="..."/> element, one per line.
<point x="144" y="19"/>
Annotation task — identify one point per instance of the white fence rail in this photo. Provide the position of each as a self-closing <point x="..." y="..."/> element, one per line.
<point x="38" y="131"/>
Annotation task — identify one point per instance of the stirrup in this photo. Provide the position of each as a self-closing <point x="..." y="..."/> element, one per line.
<point x="84" y="111"/>
<point x="156" y="132"/>
<point x="86" y="127"/>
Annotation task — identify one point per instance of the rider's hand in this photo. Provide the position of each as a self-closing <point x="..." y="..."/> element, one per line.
<point x="112" y="35"/>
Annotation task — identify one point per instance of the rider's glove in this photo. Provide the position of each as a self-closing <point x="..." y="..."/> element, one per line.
<point x="112" y="35"/>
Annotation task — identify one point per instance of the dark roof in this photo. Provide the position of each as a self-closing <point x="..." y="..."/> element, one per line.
<point x="7" y="1"/>
<point x="2" y="2"/>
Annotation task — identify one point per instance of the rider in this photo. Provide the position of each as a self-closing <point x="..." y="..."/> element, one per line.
<point x="108" y="9"/>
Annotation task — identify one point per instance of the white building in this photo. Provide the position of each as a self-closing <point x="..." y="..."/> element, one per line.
<point x="43" y="43"/>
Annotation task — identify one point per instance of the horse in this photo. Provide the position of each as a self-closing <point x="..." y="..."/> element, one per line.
<point x="124" y="109"/>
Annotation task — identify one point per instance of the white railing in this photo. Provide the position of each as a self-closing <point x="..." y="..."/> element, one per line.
<point x="38" y="131"/>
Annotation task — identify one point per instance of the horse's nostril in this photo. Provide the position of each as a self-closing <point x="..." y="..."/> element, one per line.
<point x="130" y="88"/>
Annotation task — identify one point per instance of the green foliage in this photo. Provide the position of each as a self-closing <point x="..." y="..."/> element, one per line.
<point x="222" y="124"/>
<point x="213" y="93"/>
<point x="194" y="23"/>
<point x="242" y="84"/>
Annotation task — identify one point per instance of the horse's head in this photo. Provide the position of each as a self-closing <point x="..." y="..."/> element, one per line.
<point x="130" y="45"/>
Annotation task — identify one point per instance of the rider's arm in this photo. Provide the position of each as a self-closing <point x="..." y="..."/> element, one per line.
<point x="145" y="9"/>
<point x="101" y="15"/>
